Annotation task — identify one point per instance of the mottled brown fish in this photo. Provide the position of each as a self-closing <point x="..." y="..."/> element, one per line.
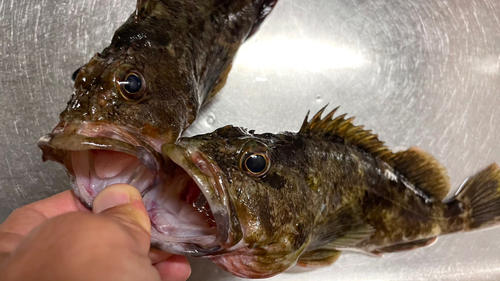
<point x="163" y="64"/>
<point x="257" y="204"/>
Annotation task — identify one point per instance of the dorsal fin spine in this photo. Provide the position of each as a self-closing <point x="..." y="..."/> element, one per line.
<point x="418" y="166"/>
<point x="344" y="128"/>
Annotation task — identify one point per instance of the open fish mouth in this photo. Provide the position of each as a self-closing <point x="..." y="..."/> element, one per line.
<point x="96" y="158"/>
<point x="183" y="193"/>
<point x="199" y="221"/>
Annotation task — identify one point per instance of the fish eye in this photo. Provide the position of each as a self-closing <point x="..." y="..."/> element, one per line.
<point x="254" y="159"/>
<point x="256" y="163"/>
<point x="132" y="84"/>
<point x="133" y="87"/>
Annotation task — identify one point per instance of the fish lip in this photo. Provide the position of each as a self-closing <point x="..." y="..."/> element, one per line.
<point x="212" y="185"/>
<point x="55" y="146"/>
<point x="101" y="136"/>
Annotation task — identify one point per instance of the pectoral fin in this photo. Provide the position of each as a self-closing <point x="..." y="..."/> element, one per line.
<point x="318" y="258"/>
<point x="343" y="229"/>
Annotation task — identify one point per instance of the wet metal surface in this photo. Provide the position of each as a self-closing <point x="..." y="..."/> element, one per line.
<point x="420" y="72"/>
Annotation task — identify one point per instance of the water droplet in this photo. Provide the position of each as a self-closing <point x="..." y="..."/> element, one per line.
<point x="318" y="97"/>
<point x="210" y="120"/>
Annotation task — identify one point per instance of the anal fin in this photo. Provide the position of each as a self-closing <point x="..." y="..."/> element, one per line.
<point x="318" y="258"/>
<point x="424" y="171"/>
<point x="406" y="246"/>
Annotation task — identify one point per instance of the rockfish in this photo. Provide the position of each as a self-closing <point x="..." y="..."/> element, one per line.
<point x="163" y="64"/>
<point x="257" y="204"/>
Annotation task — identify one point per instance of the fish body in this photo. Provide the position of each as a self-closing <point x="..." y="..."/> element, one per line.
<point x="277" y="200"/>
<point x="163" y="64"/>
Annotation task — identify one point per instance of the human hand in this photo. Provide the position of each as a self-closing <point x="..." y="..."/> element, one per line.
<point x="51" y="240"/>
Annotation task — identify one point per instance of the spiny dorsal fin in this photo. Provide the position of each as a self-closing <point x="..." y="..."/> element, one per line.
<point x="331" y="128"/>
<point x="418" y="166"/>
<point x="423" y="170"/>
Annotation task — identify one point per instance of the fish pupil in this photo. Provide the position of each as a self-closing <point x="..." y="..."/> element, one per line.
<point x="256" y="163"/>
<point x="133" y="84"/>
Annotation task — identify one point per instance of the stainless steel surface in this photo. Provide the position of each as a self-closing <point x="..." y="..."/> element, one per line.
<point x="420" y="72"/>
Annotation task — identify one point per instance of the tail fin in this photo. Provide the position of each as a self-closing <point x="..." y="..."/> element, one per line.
<point x="480" y="198"/>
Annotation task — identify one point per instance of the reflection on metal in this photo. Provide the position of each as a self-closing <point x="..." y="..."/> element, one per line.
<point x="420" y="72"/>
<point x="306" y="55"/>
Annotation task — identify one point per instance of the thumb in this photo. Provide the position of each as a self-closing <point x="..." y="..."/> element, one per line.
<point x="123" y="203"/>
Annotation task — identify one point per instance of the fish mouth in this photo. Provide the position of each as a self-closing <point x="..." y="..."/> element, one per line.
<point x="183" y="192"/>
<point x="102" y="158"/>
<point x="204" y="225"/>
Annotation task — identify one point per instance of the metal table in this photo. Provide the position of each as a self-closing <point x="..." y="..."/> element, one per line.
<point x="420" y="72"/>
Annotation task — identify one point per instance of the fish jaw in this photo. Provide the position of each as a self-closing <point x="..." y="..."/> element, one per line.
<point x="227" y="247"/>
<point x="97" y="155"/>
<point x="206" y="176"/>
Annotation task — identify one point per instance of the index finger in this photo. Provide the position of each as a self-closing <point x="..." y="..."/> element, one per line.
<point x="61" y="203"/>
<point x="23" y="220"/>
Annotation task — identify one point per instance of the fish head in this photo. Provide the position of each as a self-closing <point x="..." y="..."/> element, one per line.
<point x="128" y="100"/>
<point x="256" y="194"/>
<point x="139" y="82"/>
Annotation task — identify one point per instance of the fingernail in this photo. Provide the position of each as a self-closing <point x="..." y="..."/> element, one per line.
<point x="112" y="196"/>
